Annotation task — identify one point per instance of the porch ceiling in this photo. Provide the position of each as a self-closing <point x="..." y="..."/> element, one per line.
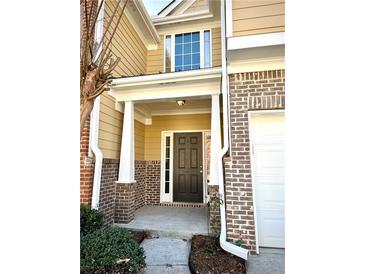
<point x="170" y="107"/>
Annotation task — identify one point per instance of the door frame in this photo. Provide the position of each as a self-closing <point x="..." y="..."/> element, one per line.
<point x="169" y="198"/>
<point x="250" y="114"/>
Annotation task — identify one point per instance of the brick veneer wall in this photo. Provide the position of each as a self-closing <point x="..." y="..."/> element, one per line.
<point x="152" y="183"/>
<point x="86" y="166"/>
<point x="140" y="177"/>
<point x="109" y="175"/>
<point x="248" y="91"/>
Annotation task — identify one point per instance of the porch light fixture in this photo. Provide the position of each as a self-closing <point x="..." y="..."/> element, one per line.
<point x="180" y="102"/>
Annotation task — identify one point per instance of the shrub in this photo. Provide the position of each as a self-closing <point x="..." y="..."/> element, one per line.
<point x="108" y="249"/>
<point x="90" y="220"/>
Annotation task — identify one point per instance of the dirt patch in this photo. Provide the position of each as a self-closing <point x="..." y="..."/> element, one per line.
<point x="207" y="257"/>
<point x="139" y="236"/>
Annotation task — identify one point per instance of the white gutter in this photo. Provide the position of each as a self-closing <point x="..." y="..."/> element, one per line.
<point x="94" y="124"/>
<point x="167" y="77"/>
<point x="227" y="246"/>
<point x="94" y="136"/>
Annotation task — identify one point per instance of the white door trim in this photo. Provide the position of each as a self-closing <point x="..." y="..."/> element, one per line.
<point x="250" y="114"/>
<point x="168" y="198"/>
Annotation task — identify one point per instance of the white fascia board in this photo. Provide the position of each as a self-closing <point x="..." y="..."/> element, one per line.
<point x="205" y="87"/>
<point x="141" y="21"/>
<point x="257" y="40"/>
<point x="157" y="21"/>
<point x="167" y="77"/>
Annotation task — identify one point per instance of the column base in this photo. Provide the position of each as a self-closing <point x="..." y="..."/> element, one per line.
<point x="124" y="202"/>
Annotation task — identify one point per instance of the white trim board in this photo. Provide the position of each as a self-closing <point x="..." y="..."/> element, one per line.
<point x="261" y="64"/>
<point x="167" y="77"/>
<point x="229" y="18"/>
<point x="257" y="40"/>
<point x="168" y="198"/>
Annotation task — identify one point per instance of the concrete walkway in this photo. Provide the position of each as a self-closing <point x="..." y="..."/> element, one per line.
<point x="170" y="221"/>
<point x="166" y="255"/>
<point x="269" y="261"/>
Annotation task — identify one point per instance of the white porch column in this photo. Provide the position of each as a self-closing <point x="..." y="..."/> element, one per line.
<point x="215" y="141"/>
<point x="126" y="165"/>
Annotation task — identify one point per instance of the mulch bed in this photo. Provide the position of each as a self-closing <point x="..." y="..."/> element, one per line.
<point x="207" y="257"/>
<point x="139" y="236"/>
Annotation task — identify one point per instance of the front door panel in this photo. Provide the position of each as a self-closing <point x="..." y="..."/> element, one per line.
<point x="188" y="167"/>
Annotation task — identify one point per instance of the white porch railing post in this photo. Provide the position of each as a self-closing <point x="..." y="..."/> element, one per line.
<point x="126" y="165"/>
<point x="215" y="141"/>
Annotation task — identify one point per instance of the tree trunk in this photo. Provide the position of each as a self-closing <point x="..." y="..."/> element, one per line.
<point x="85" y="110"/>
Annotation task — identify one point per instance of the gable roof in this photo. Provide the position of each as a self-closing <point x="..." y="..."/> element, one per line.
<point x="168" y="5"/>
<point x="175" y="11"/>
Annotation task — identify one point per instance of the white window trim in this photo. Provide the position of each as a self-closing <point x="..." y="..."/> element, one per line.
<point x="202" y="52"/>
<point x="168" y="197"/>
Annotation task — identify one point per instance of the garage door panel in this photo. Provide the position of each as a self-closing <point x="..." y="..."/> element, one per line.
<point x="267" y="139"/>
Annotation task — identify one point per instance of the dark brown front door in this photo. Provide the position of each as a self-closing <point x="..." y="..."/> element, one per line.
<point x="188" y="167"/>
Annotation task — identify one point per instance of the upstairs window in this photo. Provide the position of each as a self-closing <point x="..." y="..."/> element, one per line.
<point x="187" y="51"/>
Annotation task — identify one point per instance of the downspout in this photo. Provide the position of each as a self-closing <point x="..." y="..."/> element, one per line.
<point x="227" y="246"/>
<point x="94" y="136"/>
<point x="94" y="124"/>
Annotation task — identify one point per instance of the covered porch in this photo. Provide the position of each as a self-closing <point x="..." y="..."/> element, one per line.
<point x="171" y="136"/>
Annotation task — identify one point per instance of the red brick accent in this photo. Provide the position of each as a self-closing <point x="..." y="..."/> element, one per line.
<point x="248" y="91"/>
<point x="214" y="211"/>
<point x="152" y="183"/>
<point x="86" y="166"/>
<point x="124" y="202"/>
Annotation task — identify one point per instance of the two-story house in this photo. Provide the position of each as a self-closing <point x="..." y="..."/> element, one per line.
<point x="195" y="111"/>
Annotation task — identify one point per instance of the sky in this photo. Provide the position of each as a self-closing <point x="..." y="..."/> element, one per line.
<point x="154" y="6"/>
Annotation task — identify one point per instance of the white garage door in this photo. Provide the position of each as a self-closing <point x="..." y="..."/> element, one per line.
<point x="267" y="141"/>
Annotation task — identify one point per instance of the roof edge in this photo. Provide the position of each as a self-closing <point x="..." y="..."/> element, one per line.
<point x="140" y="19"/>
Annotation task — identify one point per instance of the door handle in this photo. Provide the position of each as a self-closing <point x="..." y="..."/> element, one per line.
<point x="201" y="171"/>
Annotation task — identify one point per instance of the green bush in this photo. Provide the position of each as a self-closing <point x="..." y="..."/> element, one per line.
<point x="108" y="249"/>
<point x="90" y="220"/>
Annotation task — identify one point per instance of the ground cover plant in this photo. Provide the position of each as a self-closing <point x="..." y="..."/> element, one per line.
<point x="90" y="220"/>
<point x="110" y="250"/>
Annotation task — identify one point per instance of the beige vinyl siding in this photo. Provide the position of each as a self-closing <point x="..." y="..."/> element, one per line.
<point x="110" y="135"/>
<point x="126" y="44"/>
<point x="139" y="139"/>
<point x="257" y="17"/>
<point x="129" y="47"/>
<point x="216" y="47"/>
<point x="170" y="122"/>
<point x="110" y="128"/>
<point x="198" y="5"/>
<point x="155" y="58"/>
